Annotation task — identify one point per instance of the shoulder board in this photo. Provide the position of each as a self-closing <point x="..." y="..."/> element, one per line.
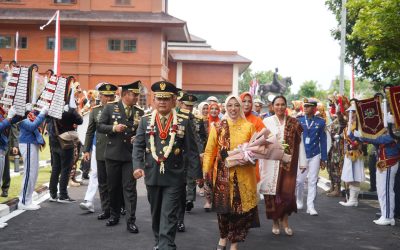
<point x="97" y="106"/>
<point x="198" y="117"/>
<point x="183" y="116"/>
<point x="185" y="111"/>
<point x="138" y="107"/>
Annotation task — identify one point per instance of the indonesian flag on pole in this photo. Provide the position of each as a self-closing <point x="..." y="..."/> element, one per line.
<point x="16" y="46"/>
<point x="56" y="16"/>
<point x="253" y="86"/>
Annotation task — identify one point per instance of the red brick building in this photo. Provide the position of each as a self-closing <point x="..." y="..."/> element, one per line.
<point x="118" y="41"/>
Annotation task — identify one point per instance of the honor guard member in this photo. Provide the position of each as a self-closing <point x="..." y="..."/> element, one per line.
<point x="188" y="101"/>
<point x="388" y="150"/>
<point x="119" y="121"/>
<point x="314" y="139"/>
<point x="95" y="145"/>
<point x="164" y="139"/>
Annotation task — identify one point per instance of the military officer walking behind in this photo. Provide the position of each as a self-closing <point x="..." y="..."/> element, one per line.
<point x="163" y="140"/>
<point x="314" y="139"/>
<point x="95" y="144"/>
<point x="188" y="101"/>
<point x="119" y="122"/>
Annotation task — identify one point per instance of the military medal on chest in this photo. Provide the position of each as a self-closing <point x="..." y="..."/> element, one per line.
<point x="163" y="135"/>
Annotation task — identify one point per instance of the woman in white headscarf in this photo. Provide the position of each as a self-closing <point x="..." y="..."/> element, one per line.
<point x="234" y="193"/>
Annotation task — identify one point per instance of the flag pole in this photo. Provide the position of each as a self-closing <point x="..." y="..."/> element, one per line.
<point x="56" y="64"/>
<point x="16" y="46"/>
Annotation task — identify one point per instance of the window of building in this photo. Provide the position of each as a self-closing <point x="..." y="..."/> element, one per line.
<point x="51" y="42"/>
<point x="23" y="43"/>
<point x="114" y="44"/>
<point x="10" y="1"/>
<point x="65" y="1"/>
<point x="122" y="2"/>
<point x="130" y="45"/>
<point x="5" y="42"/>
<point x="68" y="43"/>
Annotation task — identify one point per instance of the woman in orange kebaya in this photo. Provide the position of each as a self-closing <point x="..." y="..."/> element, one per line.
<point x="247" y="101"/>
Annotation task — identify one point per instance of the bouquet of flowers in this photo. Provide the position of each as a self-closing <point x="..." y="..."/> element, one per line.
<point x="262" y="145"/>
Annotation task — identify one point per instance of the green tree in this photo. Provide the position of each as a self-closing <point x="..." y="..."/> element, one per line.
<point x="372" y="38"/>
<point x="312" y="89"/>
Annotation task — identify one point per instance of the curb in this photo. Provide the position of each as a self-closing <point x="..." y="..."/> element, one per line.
<point x="12" y="204"/>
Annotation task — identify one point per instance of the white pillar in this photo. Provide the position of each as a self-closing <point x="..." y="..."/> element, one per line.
<point x="235" y="80"/>
<point x="179" y="75"/>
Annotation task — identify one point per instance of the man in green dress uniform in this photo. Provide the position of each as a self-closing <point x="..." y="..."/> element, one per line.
<point x="119" y="121"/>
<point x="164" y="139"/>
<point x="188" y="101"/>
<point x="107" y="94"/>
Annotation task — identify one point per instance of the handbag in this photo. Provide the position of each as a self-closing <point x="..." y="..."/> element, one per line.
<point x="67" y="139"/>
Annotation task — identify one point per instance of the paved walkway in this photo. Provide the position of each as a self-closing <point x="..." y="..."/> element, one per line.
<point x="65" y="226"/>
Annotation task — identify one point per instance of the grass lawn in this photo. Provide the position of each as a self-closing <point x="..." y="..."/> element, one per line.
<point x="15" y="186"/>
<point x="44" y="174"/>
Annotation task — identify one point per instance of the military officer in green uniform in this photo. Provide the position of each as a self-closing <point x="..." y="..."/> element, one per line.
<point x="119" y="121"/>
<point x="188" y="101"/>
<point x="106" y="94"/>
<point x="163" y="140"/>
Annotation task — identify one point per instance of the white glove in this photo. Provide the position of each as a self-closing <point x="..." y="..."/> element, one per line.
<point x="66" y="108"/>
<point x="44" y="110"/>
<point x="11" y="113"/>
<point x="390" y="118"/>
<point x="357" y="133"/>
<point x="28" y="107"/>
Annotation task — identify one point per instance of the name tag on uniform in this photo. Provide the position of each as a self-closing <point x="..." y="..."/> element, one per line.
<point x="307" y="140"/>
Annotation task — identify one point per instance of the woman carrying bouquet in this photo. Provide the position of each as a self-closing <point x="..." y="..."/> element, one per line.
<point x="278" y="179"/>
<point x="234" y="192"/>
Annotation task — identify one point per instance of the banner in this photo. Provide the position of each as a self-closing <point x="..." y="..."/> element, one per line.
<point x="370" y="117"/>
<point x="393" y="95"/>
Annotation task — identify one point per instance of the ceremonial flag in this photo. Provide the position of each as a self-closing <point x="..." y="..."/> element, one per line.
<point x="56" y="66"/>
<point x="16" y="46"/>
<point x="370" y="117"/>
<point x="394" y="100"/>
<point x="253" y="87"/>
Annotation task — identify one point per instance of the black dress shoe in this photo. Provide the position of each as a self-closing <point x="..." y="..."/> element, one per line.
<point x="181" y="227"/>
<point x="4" y="193"/>
<point x="189" y="206"/>
<point x="123" y="211"/>
<point x="112" y="222"/>
<point x="103" y="216"/>
<point x="132" y="228"/>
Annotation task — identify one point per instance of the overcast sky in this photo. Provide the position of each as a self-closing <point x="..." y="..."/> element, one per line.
<point x="292" y="35"/>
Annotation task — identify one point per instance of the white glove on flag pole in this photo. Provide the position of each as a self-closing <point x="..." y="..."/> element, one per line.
<point x="56" y="67"/>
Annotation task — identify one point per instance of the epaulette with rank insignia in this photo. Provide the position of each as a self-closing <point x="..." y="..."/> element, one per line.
<point x="183" y="116"/>
<point x="198" y="117"/>
<point x="185" y="111"/>
<point x="97" y="106"/>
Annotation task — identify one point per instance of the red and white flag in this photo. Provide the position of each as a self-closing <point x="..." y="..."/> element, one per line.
<point x="56" y="66"/>
<point x="16" y="46"/>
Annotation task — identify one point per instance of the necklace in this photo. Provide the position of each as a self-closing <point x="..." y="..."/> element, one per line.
<point x="160" y="159"/>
